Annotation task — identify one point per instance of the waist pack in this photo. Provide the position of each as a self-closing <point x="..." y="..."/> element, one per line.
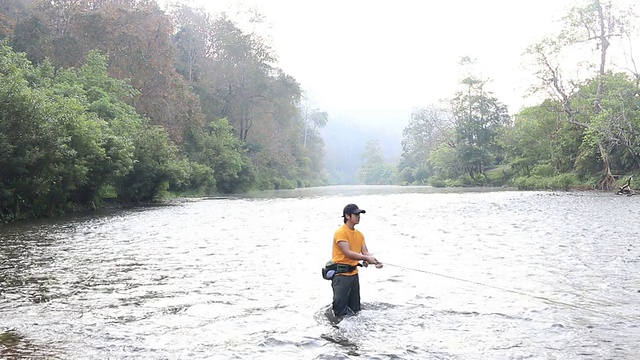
<point x="330" y="269"/>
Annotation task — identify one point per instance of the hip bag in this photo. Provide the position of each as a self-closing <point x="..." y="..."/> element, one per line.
<point x="330" y="269"/>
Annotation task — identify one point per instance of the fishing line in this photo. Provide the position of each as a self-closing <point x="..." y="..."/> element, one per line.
<point x="543" y="298"/>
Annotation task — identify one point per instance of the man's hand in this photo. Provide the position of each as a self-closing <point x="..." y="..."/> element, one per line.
<point x="375" y="262"/>
<point x="371" y="260"/>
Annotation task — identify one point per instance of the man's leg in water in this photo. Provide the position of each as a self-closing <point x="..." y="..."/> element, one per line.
<point x="342" y="292"/>
<point x="354" y="295"/>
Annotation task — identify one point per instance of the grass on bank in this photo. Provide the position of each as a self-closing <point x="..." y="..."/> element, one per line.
<point x="541" y="178"/>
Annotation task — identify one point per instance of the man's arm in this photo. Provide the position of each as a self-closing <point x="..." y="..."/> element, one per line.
<point x="377" y="263"/>
<point x="366" y="252"/>
<point x="344" y="246"/>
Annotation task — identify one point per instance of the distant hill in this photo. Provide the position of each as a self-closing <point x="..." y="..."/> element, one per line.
<point x="345" y="140"/>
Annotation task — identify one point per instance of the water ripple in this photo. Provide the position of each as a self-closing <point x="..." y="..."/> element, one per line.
<point x="487" y="275"/>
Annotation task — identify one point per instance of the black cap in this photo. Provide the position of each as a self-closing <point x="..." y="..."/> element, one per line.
<point x="352" y="209"/>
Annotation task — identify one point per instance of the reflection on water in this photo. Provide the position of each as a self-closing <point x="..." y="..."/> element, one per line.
<point x="347" y="190"/>
<point x="478" y="275"/>
<point x="14" y="346"/>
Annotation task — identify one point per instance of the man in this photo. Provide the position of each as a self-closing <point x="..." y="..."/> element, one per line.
<point x="348" y="248"/>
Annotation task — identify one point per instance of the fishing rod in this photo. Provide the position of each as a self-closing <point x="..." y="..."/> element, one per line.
<point x="543" y="298"/>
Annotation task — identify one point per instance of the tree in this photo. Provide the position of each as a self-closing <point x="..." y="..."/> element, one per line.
<point x="10" y="12"/>
<point x="239" y="74"/>
<point x="185" y="72"/>
<point x="428" y="129"/>
<point x="615" y="127"/>
<point x="191" y="41"/>
<point x="593" y="24"/>
<point x="224" y="153"/>
<point x="539" y="136"/>
<point x="374" y="170"/>
<point x="313" y="119"/>
<point x="50" y="142"/>
<point x="479" y="117"/>
<point x="136" y="36"/>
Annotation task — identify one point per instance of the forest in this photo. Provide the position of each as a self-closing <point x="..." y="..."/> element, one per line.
<point x="125" y="102"/>
<point x="583" y="134"/>
<point x="122" y="102"/>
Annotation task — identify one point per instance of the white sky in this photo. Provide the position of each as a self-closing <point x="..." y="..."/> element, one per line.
<point x="375" y="61"/>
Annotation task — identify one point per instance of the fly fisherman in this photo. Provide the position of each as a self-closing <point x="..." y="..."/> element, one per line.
<point x="348" y="248"/>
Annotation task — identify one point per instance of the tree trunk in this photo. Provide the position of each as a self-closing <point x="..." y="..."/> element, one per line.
<point x="609" y="181"/>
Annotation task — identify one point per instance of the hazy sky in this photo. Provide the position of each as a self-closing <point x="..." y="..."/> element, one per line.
<point x="360" y="57"/>
<point x="373" y="62"/>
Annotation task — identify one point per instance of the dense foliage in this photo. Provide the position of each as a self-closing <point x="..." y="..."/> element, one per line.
<point x="121" y="100"/>
<point x="585" y="133"/>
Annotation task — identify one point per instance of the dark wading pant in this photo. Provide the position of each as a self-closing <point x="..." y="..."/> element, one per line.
<point x="346" y="295"/>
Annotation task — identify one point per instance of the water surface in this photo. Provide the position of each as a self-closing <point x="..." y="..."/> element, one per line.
<point x="468" y="275"/>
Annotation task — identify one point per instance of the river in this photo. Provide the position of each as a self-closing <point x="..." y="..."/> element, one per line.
<point x="468" y="275"/>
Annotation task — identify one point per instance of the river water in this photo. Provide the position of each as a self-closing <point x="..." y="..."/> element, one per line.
<point x="467" y="275"/>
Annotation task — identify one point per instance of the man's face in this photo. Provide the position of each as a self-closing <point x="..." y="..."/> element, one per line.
<point x="354" y="218"/>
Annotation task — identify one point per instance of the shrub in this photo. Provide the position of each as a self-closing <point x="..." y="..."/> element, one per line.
<point x="543" y="170"/>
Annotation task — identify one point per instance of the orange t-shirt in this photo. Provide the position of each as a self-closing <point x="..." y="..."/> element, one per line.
<point x="356" y="242"/>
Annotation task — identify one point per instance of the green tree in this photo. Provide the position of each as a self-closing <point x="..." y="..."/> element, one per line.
<point x="155" y="165"/>
<point x="224" y="153"/>
<point x="51" y="142"/>
<point x="479" y="118"/>
<point x="539" y="136"/>
<point x="614" y="127"/>
<point x="599" y="26"/>
<point x="105" y="98"/>
<point x="428" y="129"/>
